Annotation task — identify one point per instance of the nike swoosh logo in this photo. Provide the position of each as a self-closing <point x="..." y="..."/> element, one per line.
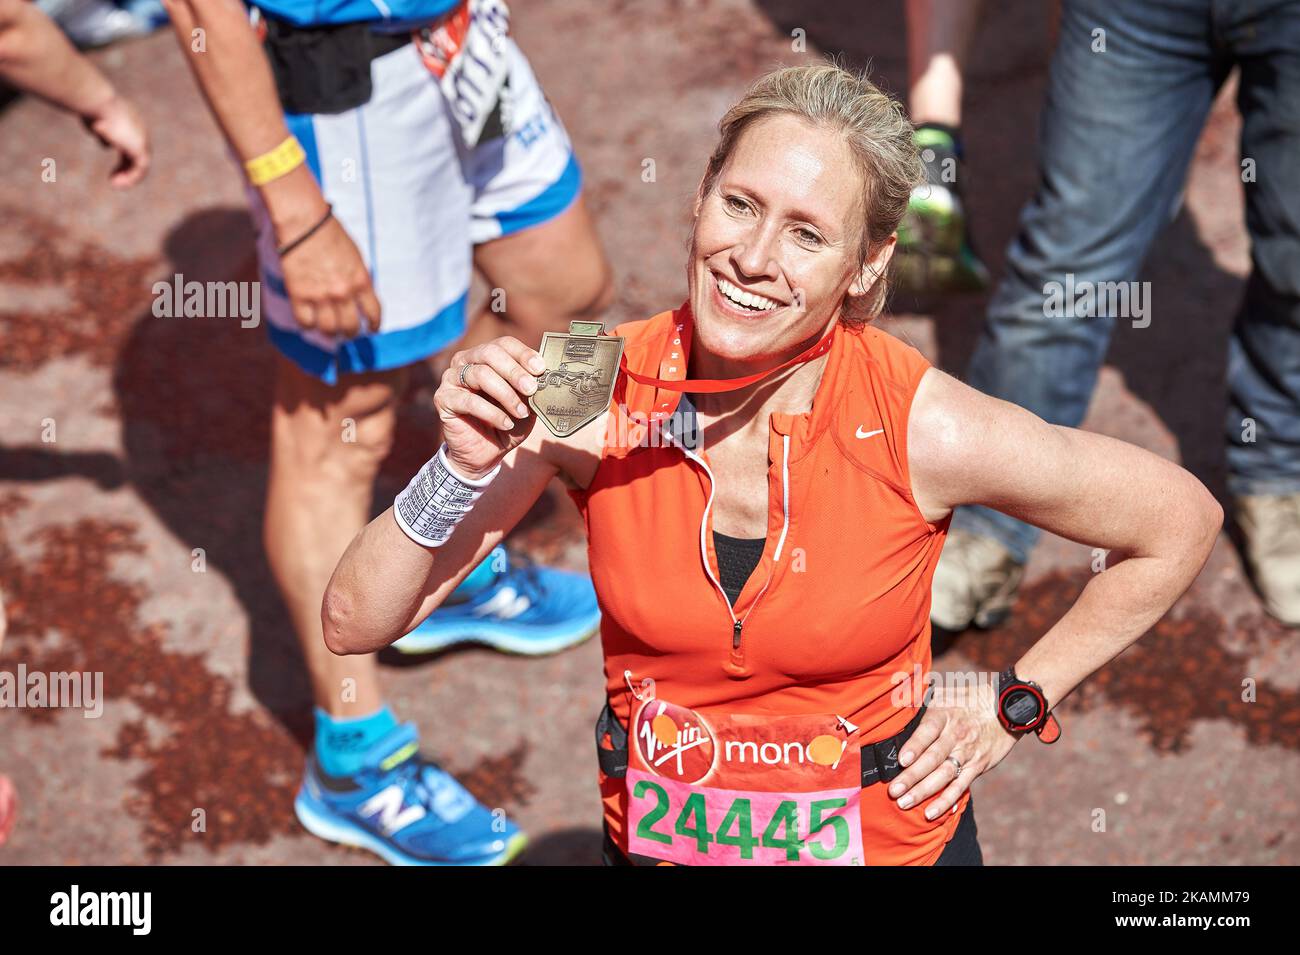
<point x="866" y="434"/>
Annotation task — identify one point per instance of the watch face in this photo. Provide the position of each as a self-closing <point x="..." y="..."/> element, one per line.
<point x="1021" y="707"/>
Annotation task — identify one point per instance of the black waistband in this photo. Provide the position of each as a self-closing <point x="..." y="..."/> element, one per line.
<point x="381" y="43"/>
<point x="360" y="35"/>
<point x="879" y="760"/>
<point x="325" y="69"/>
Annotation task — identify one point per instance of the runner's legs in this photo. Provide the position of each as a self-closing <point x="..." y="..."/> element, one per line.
<point x="390" y="170"/>
<point x="327" y="443"/>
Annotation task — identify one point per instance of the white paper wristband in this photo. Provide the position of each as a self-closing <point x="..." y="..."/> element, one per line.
<point x="436" y="500"/>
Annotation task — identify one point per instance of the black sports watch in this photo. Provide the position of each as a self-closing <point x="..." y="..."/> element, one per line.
<point x="1023" y="707"/>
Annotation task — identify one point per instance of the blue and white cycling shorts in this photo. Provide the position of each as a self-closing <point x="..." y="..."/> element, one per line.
<point x="415" y="200"/>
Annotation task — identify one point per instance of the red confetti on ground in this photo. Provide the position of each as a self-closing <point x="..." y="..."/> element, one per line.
<point x="239" y="768"/>
<point x="106" y="295"/>
<point x="497" y="780"/>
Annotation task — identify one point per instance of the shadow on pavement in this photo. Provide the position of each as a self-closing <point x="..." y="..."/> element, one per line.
<point x="195" y="397"/>
<point x="576" y="846"/>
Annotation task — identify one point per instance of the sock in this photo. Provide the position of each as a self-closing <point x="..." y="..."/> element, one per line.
<point x="341" y="742"/>
<point x="481" y="577"/>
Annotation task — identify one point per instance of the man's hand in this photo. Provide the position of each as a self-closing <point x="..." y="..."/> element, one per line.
<point x="328" y="285"/>
<point x="327" y="281"/>
<point x="117" y="124"/>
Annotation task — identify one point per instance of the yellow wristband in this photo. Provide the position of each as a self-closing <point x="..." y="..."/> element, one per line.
<point x="286" y="157"/>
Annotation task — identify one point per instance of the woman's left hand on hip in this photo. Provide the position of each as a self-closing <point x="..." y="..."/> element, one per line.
<point x="957" y="741"/>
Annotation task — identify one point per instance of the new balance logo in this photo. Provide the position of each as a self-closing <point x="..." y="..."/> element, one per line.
<point x="387" y="806"/>
<point x="506" y="604"/>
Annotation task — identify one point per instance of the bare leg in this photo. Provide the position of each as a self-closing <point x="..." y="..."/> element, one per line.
<point x="541" y="278"/>
<point x="938" y="38"/>
<point x="326" y="446"/>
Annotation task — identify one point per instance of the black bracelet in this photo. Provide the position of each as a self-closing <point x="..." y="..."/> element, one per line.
<point x="285" y="249"/>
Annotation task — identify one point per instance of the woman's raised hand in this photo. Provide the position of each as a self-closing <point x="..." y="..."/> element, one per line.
<point x="483" y="403"/>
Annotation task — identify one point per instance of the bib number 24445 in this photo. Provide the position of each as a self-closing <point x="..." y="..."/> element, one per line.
<point x="701" y="825"/>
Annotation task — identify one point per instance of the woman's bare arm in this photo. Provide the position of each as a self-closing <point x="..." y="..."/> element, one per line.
<point x="386" y="583"/>
<point x="1156" y="519"/>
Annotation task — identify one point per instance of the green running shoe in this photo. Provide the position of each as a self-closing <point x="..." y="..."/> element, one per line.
<point x="934" y="248"/>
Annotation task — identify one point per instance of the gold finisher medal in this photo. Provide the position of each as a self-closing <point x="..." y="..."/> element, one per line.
<point x="581" y="368"/>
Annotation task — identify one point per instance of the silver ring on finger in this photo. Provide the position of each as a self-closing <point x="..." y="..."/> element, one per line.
<point x="461" y="377"/>
<point x="956" y="762"/>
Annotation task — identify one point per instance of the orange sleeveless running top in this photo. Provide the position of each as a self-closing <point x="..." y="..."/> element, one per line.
<point x="837" y="611"/>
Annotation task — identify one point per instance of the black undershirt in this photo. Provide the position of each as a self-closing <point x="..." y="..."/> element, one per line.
<point x="737" y="558"/>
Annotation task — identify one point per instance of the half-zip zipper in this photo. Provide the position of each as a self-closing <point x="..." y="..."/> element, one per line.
<point x="738" y="625"/>
<point x="785" y="494"/>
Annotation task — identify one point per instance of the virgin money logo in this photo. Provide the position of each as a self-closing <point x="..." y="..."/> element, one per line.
<point x="673" y="741"/>
<point x="822" y="750"/>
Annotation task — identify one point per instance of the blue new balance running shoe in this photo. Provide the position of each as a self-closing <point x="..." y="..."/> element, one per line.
<point x="406" y="809"/>
<point x="524" y="609"/>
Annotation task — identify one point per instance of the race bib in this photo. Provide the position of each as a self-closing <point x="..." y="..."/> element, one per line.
<point x="467" y="53"/>
<point x="741" y="789"/>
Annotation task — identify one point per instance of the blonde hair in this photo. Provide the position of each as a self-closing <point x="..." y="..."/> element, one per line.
<point x="875" y="129"/>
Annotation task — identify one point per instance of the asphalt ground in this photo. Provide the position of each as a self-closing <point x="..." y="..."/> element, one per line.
<point x="160" y="429"/>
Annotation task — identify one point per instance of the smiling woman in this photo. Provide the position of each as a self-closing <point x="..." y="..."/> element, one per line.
<point x="839" y="453"/>
<point x="786" y="230"/>
<point x="877" y="137"/>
